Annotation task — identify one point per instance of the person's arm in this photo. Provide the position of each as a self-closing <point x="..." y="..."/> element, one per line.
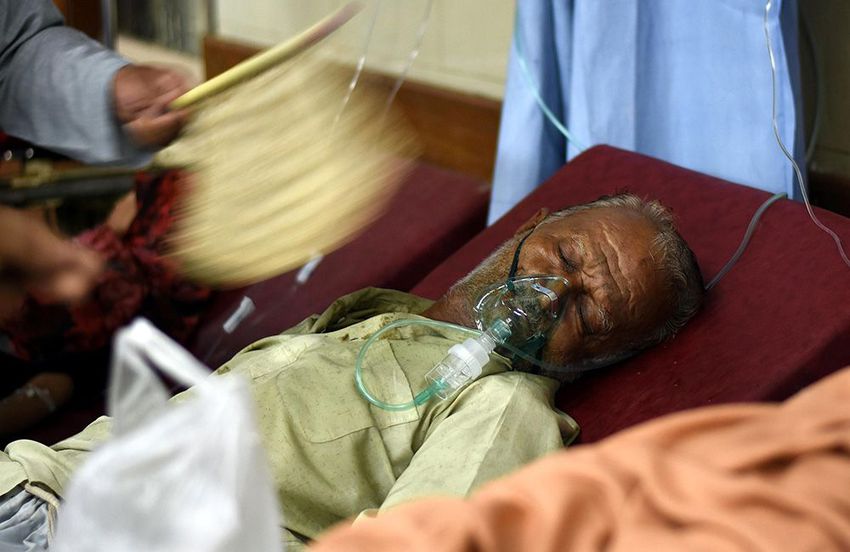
<point x="33" y="258"/>
<point x="497" y="425"/>
<point x="29" y="462"/>
<point x="63" y="91"/>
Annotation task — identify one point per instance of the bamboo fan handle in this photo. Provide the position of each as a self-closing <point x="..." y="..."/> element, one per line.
<point x="267" y="59"/>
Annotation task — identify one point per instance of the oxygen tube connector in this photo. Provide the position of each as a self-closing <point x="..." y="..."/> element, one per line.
<point x="465" y="361"/>
<point x="462" y="364"/>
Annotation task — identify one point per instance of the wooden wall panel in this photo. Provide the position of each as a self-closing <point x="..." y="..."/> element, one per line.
<point x="457" y="131"/>
<point x="83" y="15"/>
<point x="830" y="191"/>
<point x="824" y="51"/>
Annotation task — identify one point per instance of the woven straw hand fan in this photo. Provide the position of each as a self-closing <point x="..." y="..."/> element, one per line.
<point x="279" y="172"/>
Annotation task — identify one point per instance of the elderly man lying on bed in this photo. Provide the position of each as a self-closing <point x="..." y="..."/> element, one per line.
<point x="633" y="282"/>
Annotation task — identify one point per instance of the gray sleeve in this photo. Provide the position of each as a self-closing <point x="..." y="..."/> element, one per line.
<point x="56" y="86"/>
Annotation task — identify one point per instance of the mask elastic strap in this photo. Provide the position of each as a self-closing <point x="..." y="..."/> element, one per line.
<point x="515" y="263"/>
<point x="552" y="368"/>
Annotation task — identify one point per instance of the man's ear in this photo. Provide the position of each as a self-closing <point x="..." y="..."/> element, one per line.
<point x="535" y="219"/>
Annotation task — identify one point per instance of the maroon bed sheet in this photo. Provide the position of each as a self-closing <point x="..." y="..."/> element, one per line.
<point x="779" y="320"/>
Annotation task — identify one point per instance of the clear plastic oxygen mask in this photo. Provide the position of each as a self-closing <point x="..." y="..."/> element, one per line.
<point x="518" y="313"/>
<point x="530" y="306"/>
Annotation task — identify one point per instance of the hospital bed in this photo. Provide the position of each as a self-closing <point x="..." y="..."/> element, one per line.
<point x="779" y="320"/>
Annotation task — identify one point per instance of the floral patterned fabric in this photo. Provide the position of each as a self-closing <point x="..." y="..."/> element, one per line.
<point x="139" y="280"/>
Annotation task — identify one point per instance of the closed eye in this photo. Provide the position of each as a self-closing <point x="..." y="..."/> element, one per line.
<point x="585" y="327"/>
<point x="569" y="264"/>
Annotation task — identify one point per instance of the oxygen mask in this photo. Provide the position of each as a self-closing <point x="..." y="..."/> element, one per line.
<point x="530" y="306"/>
<point x="518" y="314"/>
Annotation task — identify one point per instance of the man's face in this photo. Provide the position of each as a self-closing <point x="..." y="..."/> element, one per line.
<point x="617" y="294"/>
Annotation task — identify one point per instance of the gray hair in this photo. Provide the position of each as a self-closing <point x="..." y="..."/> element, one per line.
<point x="672" y="256"/>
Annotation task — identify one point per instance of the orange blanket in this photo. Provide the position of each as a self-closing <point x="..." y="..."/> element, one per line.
<point x="740" y="477"/>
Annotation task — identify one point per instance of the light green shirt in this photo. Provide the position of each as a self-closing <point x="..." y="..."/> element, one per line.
<point x="332" y="454"/>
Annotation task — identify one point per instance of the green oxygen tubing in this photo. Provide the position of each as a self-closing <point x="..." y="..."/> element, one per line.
<point x="463" y="363"/>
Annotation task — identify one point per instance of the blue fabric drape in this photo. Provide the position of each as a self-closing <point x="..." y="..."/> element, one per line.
<point x="687" y="81"/>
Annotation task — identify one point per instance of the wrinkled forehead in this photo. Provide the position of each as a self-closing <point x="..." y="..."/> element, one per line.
<point x="590" y="216"/>
<point x="618" y="230"/>
<point x="618" y="244"/>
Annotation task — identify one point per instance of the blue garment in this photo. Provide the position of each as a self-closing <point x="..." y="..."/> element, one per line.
<point x="23" y="522"/>
<point x="687" y="81"/>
